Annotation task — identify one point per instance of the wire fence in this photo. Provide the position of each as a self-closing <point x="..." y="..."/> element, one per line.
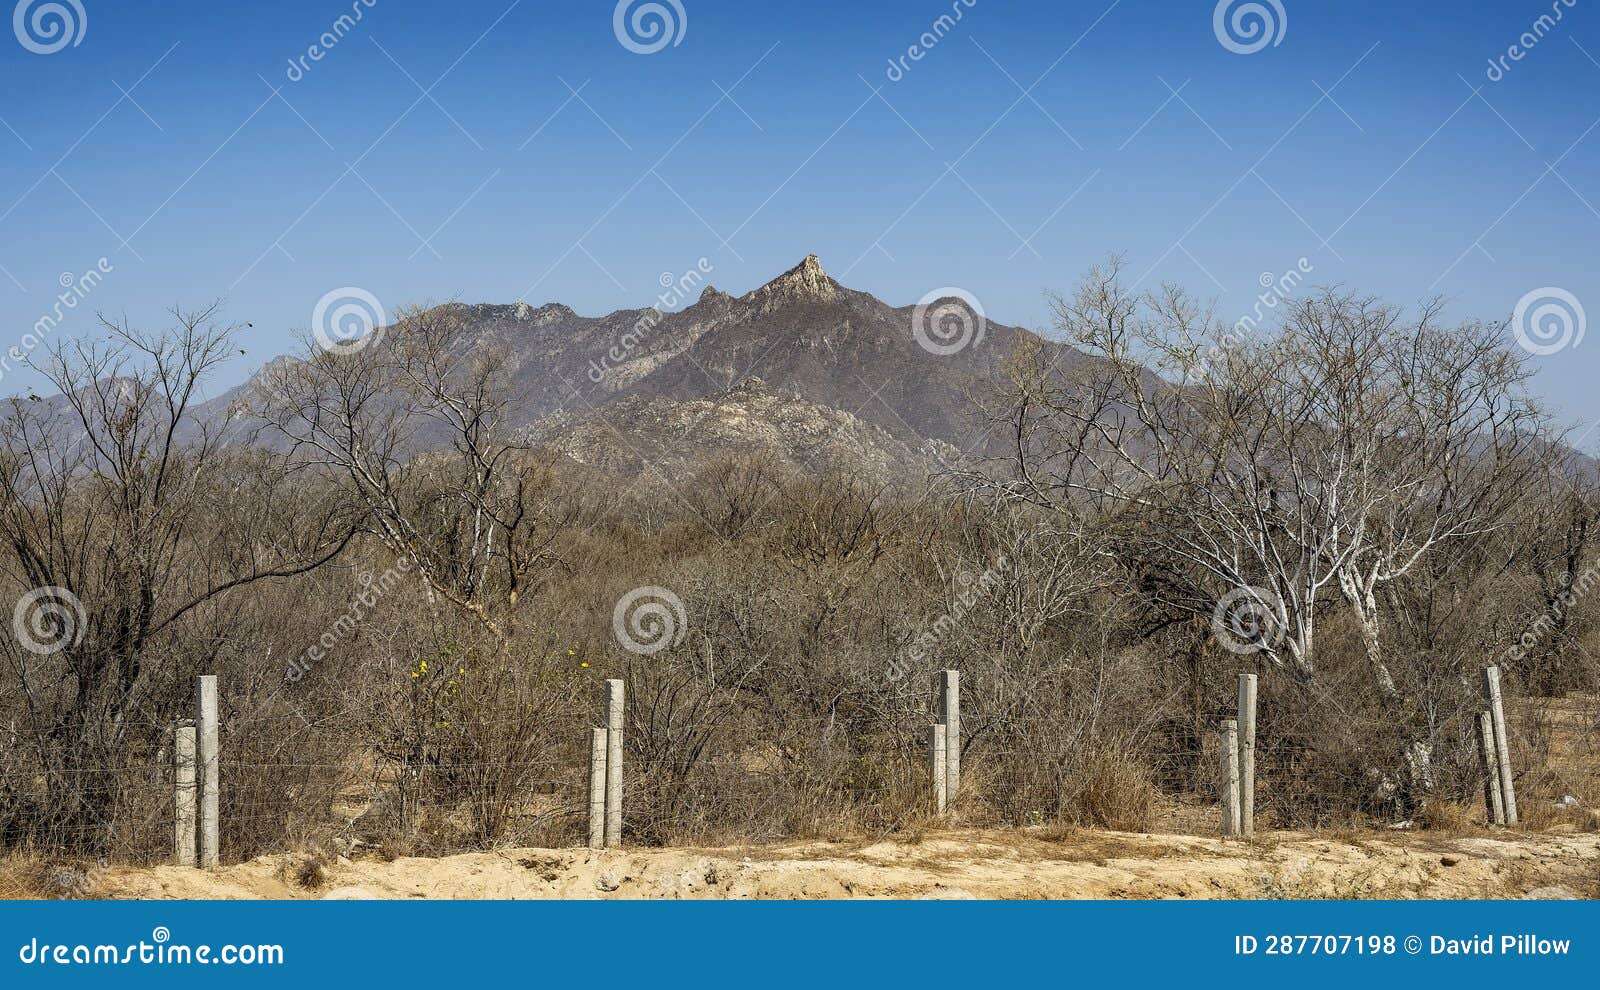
<point x="288" y="783"/>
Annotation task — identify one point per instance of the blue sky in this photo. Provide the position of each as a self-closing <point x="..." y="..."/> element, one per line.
<point x="1032" y="139"/>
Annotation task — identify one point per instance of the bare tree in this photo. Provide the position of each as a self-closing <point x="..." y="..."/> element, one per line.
<point x="1328" y="460"/>
<point x="123" y="512"/>
<point x="476" y="521"/>
<point x="1437" y="428"/>
<point x="1206" y="466"/>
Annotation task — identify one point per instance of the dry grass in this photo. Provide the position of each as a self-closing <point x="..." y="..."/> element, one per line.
<point x="22" y="878"/>
<point x="307" y="872"/>
<point x="1114" y="792"/>
<point x="1561" y="740"/>
<point x="27" y="877"/>
<point x="1450" y="818"/>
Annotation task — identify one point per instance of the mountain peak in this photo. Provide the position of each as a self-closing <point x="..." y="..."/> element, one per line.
<point x="805" y="280"/>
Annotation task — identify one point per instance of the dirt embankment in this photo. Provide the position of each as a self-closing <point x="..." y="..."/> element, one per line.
<point x="941" y="865"/>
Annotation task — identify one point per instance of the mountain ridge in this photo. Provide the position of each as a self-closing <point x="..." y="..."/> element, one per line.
<point x="801" y="369"/>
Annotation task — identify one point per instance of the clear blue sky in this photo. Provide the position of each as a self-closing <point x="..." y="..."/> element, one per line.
<point x="1356" y="142"/>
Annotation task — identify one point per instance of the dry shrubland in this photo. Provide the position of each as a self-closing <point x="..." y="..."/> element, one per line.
<point x="411" y="611"/>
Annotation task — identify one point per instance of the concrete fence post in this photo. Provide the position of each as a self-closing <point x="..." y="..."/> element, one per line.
<point x="1502" y="744"/>
<point x="614" y="723"/>
<point x="937" y="753"/>
<point x="183" y="847"/>
<point x="1230" y="778"/>
<point x="598" y="743"/>
<point x="1493" y="804"/>
<point x="948" y="687"/>
<point x="1247" y="755"/>
<point x="209" y="762"/>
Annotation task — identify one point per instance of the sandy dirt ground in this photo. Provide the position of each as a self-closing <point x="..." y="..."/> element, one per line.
<point x="941" y="865"/>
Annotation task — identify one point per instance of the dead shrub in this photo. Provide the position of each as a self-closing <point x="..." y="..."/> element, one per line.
<point x="306" y="872"/>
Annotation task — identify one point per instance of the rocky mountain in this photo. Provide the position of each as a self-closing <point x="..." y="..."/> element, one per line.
<point x="672" y="437"/>
<point x="802" y="369"/>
